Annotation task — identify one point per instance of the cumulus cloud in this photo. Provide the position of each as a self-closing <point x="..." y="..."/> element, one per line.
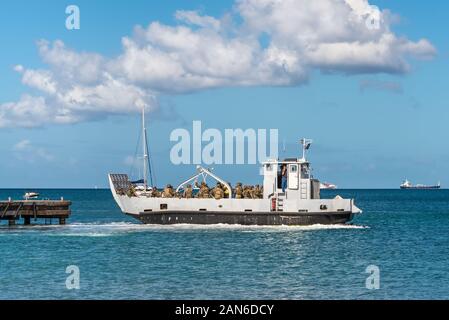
<point x="202" y="52"/>
<point x="76" y="87"/>
<point x="195" y="18"/>
<point x="24" y="150"/>
<point x="29" y="111"/>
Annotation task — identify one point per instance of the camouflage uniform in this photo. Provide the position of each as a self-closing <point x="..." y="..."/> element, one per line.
<point x="204" y="191"/>
<point x="218" y="192"/>
<point x="238" y="191"/>
<point x="226" y="190"/>
<point x="188" y="192"/>
<point x="247" y="192"/>
<point x="258" y="192"/>
<point x="168" y="192"/>
<point x="131" y="192"/>
<point x="155" y="193"/>
<point x="252" y="190"/>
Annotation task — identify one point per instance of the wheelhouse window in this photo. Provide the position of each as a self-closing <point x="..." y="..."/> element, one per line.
<point x="305" y="171"/>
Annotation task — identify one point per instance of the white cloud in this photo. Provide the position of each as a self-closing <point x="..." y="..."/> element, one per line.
<point x="19" y="68"/>
<point x="194" y="18"/>
<point x="334" y="35"/>
<point x="71" y="66"/>
<point x="70" y="97"/>
<point x="24" y="150"/>
<point x="201" y="52"/>
<point x="22" y="145"/>
<point x="29" y="111"/>
<point x="39" y="79"/>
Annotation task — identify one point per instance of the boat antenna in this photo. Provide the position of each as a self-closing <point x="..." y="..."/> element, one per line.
<point x="306" y="143"/>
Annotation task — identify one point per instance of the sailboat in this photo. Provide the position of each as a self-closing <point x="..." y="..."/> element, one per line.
<point x="141" y="186"/>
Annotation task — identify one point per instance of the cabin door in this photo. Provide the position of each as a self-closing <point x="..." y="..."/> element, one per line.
<point x="293" y="176"/>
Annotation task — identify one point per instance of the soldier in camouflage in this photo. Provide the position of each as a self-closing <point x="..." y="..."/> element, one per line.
<point x="204" y="191"/>
<point x="218" y="192"/>
<point x="168" y="192"/>
<point x="188" y="192"/>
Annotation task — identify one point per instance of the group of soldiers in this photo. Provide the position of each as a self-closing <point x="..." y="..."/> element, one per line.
<point x="248" y="192"/>
<point x="220" y="191"/>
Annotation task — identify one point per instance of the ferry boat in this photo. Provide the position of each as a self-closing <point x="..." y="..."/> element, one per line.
<point x="408" y="185"/>
<point x="298" y="204"/>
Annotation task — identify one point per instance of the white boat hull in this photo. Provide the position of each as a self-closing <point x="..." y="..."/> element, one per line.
<point x="236" y="211"/>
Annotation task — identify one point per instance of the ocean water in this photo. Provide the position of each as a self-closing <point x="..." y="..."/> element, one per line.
<point x="405" y="233"/>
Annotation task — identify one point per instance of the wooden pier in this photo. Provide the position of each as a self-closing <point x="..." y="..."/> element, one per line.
<point x="14" y="210"/>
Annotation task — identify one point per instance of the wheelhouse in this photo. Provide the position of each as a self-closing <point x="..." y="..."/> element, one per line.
<point x="300" y="182"/>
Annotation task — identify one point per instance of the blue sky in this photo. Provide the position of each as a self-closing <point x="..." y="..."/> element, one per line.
<point x="370" y="129"/>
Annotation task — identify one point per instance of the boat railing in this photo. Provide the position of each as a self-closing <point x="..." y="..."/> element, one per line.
<point x="204" y="173"/>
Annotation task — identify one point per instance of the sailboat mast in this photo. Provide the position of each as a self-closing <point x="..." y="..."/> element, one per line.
<point x="145" y="152"/>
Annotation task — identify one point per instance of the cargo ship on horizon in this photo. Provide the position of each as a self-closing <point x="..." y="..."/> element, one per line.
<point x="408" y="185"/>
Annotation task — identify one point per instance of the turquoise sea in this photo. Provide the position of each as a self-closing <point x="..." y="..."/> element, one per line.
<point x="403" y="232"/>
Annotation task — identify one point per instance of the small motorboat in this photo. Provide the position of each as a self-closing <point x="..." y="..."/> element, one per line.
<point x="31" y="195"/>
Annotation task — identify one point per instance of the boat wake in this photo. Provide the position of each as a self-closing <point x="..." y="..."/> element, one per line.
<point x="98" y="229"/>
